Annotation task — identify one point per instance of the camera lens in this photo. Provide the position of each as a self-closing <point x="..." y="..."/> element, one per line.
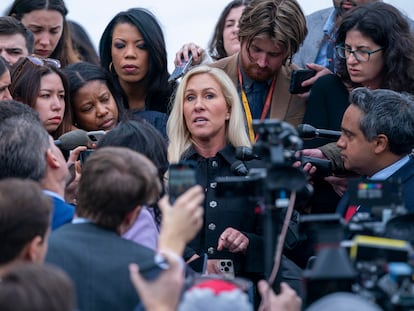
<point x="222" y="263"/>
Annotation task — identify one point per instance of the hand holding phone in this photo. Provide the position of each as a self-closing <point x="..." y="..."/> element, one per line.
<point x="298" y="76"/>
<point x="179" y="71"/>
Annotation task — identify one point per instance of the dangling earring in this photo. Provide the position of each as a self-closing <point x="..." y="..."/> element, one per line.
<point x="110" y="66"/>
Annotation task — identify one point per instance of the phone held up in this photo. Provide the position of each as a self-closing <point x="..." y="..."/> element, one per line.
<point x="182" y="176"/>
<point x="298" y="76"/>
<point x="179" y="71"/>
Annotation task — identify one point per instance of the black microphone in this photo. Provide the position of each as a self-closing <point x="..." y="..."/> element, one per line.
<point x="307" y="131"/>
<point x="239" y="168"/>
<point x="323" y="166"/>
<point x="72" y="139"/>
<point x="245" y="154"/>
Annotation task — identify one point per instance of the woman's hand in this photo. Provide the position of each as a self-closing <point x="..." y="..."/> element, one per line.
<point x="183" y="54"/>
<point x="233" y="240"/>
<point x="320" y="71"/>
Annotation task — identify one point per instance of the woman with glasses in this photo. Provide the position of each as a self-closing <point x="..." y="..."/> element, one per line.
<point x="47" y="21"/>
<point x="374" y="48"/>
<point x="40" y="84"/>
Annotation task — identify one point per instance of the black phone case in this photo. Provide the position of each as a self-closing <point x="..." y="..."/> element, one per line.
<point x="298" y="76"/>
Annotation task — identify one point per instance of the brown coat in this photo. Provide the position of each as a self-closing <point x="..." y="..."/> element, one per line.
<point x="284" y="106"/>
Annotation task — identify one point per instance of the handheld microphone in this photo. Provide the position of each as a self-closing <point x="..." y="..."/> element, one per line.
<point x="72" y="139"/>
<point x="323" y="167"/>
<point x="307" y="131"/>
<point x="239" y="168"/>
<point x="245" y="154"/>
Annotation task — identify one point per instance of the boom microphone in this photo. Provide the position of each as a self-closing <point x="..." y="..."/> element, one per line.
<point x="307" y="131"/>
<point x="72" y="139"/>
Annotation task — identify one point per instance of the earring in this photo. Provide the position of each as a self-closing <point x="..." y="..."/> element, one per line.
<point x="110" y="66"/>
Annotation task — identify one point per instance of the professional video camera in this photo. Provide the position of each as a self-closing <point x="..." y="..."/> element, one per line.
<point x="368" y="255"/>
<point x="270" y="184"/>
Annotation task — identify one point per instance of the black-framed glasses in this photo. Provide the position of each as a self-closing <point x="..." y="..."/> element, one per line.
<point x="360" y="55"/>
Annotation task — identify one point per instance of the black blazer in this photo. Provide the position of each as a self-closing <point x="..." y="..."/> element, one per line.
<point x="97" y="261"/>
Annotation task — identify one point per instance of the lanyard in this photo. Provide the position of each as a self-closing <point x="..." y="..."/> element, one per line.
<point x="246" y="106"/>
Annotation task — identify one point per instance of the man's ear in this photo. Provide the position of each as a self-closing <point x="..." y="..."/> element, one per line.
<point x="381" y="143"/>
<point x="34" y="250"/>
<point x="51" y="159"/>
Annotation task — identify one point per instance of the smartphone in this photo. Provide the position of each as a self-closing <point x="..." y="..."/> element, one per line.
<point x="298" y="76"/>
<point x="179" y="71"/>
<point x="225" y="266"/>
<point x="95" y="136"/>
<point x="83" y="155"/>
<point x="182" y="176"/>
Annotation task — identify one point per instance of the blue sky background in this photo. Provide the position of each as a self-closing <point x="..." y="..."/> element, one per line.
<point x="182" y="20"/>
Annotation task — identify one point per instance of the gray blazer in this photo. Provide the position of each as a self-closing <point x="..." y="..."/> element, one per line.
<point x="310" y="48"/>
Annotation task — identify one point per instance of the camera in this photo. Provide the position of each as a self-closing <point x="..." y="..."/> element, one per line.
<point x="370" y="254"/>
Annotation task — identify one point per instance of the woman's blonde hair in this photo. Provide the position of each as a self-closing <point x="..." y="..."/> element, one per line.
<point x="178" y="133"/>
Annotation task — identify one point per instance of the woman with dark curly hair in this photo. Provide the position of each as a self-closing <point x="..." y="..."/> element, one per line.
<point x="374" y="48"/>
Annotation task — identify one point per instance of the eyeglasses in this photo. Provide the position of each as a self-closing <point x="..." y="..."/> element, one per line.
<point x="360" y="55"/>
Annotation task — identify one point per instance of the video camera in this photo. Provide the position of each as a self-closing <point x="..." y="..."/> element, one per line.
<point x="368" y="255"/>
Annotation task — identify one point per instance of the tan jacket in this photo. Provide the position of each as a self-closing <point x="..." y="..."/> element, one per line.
<point x="285" y="106"/>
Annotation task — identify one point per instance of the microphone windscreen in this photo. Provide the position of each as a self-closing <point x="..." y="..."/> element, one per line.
<point x="306" y="131"/>
<point x="73" y="139"/>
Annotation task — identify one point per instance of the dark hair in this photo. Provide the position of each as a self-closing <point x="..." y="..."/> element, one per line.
<point x="26" y="81"/>
<point x="81" y="73"/>
<point x="64" y="50"/>
<point x="4" y="67"/>
<point x="387" y="27"/>
<point x="386" y="112"/>
<point x="35" y="287"/>
<point x="24" y="214"/>
<point x="82" y="43"/>
<point x="11" y="26"/>
<point x="216" y="44"/>
<point x="114" y="181"/>
<point x="142" y="137"/>
<point x="159" y="89"/>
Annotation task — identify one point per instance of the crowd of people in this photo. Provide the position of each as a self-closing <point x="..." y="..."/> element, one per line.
<point x="101" y="233"/>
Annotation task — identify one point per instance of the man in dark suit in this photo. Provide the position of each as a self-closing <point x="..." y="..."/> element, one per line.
<point x="116" y="182"/>
<point x="378" y="138"/>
